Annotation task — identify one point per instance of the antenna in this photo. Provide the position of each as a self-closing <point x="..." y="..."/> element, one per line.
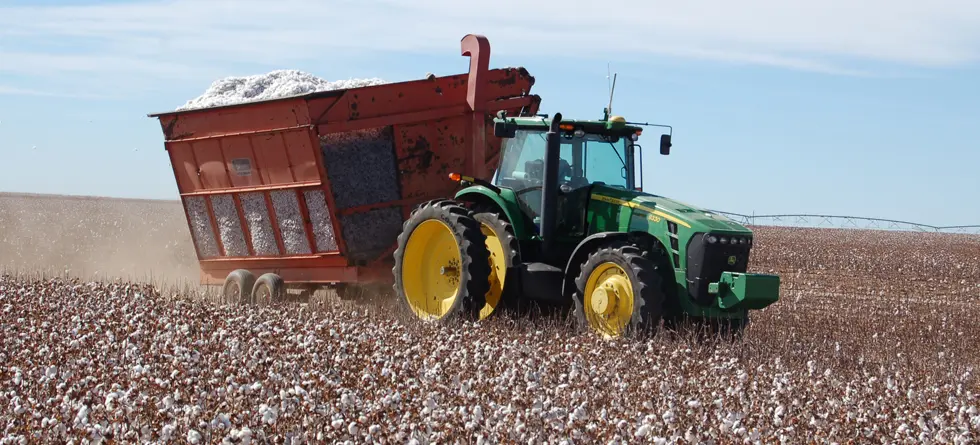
<point x="612" y="88"/>
<point x="611" y="91"/>
<point x="608" y="76"/>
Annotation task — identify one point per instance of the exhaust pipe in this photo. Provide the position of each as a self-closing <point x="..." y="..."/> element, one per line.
<point x="549" y="192"/>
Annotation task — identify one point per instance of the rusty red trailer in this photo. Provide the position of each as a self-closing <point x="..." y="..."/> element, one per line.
<point x="314" y="188"/>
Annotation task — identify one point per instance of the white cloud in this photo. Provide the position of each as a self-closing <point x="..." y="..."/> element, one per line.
<point x="145" y="41"/>
<point x="6" y="90"/>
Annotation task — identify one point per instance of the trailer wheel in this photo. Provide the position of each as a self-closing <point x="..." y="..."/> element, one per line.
<point x="237" y="289"/>
<point x="618" y="291"/>
<point x="268" y="289"/>
<point x="442" y="265"/>
<point x="505" y="253"/>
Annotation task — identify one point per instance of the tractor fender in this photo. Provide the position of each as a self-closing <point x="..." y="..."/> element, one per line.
<point x="589" y="244"/>
<point x="508" y="207"/>
<point x="582" y="251"/>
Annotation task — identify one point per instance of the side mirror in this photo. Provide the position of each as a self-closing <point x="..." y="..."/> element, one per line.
<point x="504" y="129"/>
<point x="665" y="144"/>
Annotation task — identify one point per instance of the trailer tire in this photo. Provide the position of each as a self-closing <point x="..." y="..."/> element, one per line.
<point x="237" y="289"/>
<point x="442" y="265"/>
<point x="618" y="272"/>
<point x="269" y="289"/>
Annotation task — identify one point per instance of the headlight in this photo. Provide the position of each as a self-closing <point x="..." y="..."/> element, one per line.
<point x="712" y="239"/>
<point x="724" y="240"/>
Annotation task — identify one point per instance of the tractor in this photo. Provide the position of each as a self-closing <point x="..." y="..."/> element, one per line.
<point x="564" y="222"/>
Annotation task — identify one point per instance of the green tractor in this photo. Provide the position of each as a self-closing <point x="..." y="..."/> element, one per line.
<point x="564" y="224"/>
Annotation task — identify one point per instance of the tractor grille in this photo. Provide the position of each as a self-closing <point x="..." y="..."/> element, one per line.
<point x="706" y="261"/>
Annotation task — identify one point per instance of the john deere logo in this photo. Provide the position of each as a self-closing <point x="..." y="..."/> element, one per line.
<point x="732" y="260"/>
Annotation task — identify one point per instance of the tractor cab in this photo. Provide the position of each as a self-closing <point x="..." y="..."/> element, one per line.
<point x="591" y="153"/>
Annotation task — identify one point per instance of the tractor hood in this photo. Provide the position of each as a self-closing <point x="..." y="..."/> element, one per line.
<point x="698" y="219"/>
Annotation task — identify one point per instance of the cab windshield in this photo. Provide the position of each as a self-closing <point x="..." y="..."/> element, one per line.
<point x="584" y="160"/>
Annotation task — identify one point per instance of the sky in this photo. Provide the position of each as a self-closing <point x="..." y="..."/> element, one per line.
<point x="828" y="107"/>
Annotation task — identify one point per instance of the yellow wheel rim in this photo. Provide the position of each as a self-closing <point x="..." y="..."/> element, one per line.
<point x="431" y="269"/>
<point x="498" y="271"/>
<point x="608" y="300"/>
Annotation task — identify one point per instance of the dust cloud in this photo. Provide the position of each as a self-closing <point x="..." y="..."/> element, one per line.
<point x="96" y="238"/>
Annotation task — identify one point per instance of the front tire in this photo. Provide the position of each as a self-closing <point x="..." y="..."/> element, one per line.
<point x="442" y="265"/>
<point x="618" y="291"/>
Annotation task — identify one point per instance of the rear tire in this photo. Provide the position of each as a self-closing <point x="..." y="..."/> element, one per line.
<point x="268" y="289"/>
<point x="505" y="254"/>
<point x="442" y="265"/>
<point x="619" y="291"/>
<point x="237" y="289"/>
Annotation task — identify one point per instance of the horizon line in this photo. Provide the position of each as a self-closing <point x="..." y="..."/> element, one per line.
<point x="4" y="194"/>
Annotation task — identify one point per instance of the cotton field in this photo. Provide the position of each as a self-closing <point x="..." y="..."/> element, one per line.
<point x="873" y="341"/>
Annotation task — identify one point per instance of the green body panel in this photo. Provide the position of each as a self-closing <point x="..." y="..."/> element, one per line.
<point x="506" y="200"/>
<point x="617" y="210"/>
<point x="745" y="291"/>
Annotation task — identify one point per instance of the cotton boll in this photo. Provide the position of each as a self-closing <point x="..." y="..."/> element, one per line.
<point x="642" y="431"/>
<point x="166" y="433"/>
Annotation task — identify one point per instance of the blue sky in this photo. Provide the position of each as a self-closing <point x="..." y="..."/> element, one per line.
<point x="818" y="107"/>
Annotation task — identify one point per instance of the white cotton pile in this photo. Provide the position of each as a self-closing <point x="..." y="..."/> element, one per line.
<point x="229" y="225"/>
<point x="291" y="226"/>
<point x="259" y="224"/>
<point x="201" y="226"/>
<point x="273" y="85"/>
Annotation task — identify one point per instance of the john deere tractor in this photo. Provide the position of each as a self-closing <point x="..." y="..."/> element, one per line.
<point x="563" y="222"/>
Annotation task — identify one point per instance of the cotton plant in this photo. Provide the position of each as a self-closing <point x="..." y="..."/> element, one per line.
<point x="118" y="361"/>
<point x="869" y="344"/>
